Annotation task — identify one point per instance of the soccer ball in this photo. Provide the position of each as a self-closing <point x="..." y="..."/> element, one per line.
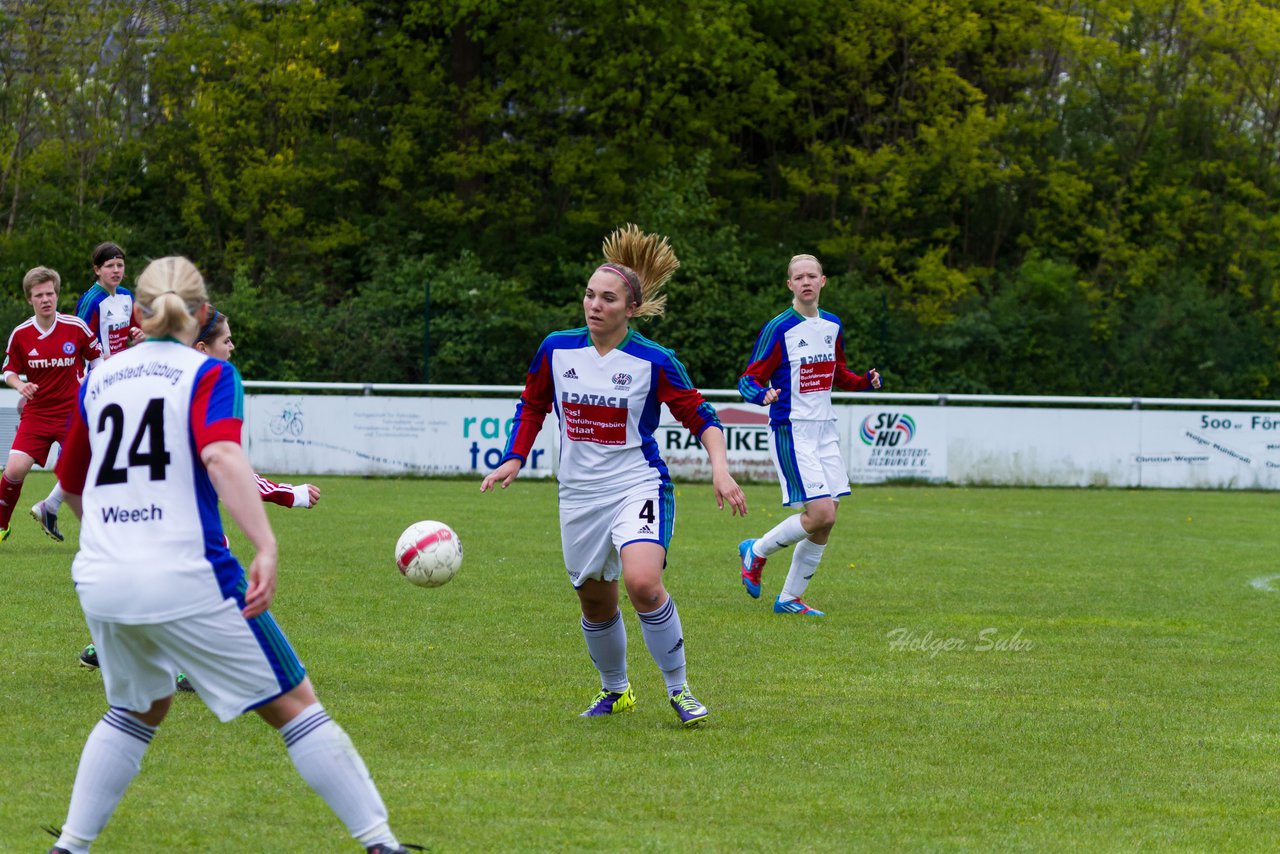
<point x="429" y="553"/>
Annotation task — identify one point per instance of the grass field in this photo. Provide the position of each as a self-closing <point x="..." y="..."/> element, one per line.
<point x="1002" y="669"/>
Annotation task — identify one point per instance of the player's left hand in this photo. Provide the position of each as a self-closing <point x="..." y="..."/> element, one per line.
<point x="313" y="493"/>
<point x="136" y="336"/>
<point x="727" y="489"/>
<point x="873" y="376"/>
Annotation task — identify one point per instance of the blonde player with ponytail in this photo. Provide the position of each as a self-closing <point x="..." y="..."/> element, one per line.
<point x="154" y="444"/>
<point x="608" y="383"/>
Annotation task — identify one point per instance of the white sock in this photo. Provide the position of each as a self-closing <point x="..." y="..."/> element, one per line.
<point x="783" y="534"/>
<point x="328" y="761"/>
<point x="665" y="640"/>
<point x="53" y="502"/>
<point x="110" y="760"/>
<point x="607" y="646"/>
<point x="804" y="563"/>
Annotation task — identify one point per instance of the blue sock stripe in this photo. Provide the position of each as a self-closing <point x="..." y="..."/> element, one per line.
<point x="588" y="626"/>
<point x="661" y="615"/>
<point x="300" y="729"/>
<point x="129" y="725"/>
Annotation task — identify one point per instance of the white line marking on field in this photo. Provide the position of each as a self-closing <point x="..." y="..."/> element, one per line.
<point x="1263" y="583"/>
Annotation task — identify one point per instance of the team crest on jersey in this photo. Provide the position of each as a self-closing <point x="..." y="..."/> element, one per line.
<point x="828" y="339"/>
<point x="68" y="347"/>
<point x="621" y="380"/>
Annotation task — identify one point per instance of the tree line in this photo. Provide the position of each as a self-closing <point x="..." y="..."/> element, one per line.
<point x="1009" y="196"/>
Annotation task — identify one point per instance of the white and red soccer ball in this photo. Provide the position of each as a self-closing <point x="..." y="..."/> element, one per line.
<point x="429" y="553"/>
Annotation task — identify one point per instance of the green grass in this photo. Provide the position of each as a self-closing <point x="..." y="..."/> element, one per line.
<point x="1141" y="717"/>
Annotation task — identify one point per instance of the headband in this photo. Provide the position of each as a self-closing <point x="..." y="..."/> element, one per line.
<point x="208" y="327"/>
<point x="107" y="253"/>
<point x="631" y="279"/>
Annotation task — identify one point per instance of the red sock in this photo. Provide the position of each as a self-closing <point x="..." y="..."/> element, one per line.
<point x="9" y="492"/>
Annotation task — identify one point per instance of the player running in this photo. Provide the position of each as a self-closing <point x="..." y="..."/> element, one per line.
<point x="617" y="505"/>
<point x="52" y="350"/>
<point x="797" y="358"/>
<point x="154" y="444"/>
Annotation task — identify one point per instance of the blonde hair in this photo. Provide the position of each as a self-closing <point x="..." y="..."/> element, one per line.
<point x="795" y="258"/>
<point x="647" y="257"/>
<point x="38" y="276"/>
<point x="169" y="293"/>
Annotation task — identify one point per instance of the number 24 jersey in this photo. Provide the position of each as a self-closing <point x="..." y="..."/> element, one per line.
<point x="151" y="541"/>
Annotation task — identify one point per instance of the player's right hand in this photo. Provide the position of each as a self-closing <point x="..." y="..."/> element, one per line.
<point x="262" y="584"/>
<point x="506" y="473"/>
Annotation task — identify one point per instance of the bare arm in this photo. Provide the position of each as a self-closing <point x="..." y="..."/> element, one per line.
<point x="233" y="479"/>
<point x="726" y="487"/>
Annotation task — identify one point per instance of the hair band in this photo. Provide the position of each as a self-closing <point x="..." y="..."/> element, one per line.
<point x="208" y="327"/>
<point x="632" y="281"/>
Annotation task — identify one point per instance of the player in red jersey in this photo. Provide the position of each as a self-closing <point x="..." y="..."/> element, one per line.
<point x="51" y="349"/>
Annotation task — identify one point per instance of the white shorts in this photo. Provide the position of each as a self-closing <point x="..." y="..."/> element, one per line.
<point x="807" y="457"/>
<point x="234" y="664"/>
<point x="593" y="535"/>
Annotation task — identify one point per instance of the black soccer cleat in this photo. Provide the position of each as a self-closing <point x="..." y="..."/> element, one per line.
<point x="183" y="683"/>
<point x="89" y="657"/>
<point x="48" y="521"/>
<point x="384" y="848"/>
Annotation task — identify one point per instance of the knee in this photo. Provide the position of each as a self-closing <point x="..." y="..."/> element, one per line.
<point x="820" y="520"/>
<point x="646" y="598"/>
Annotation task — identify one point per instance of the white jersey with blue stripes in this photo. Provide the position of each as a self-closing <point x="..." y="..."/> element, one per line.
<point x="151" y="540"/>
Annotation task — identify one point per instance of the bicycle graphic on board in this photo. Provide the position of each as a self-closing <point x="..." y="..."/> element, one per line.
<point x="288" y="421"/>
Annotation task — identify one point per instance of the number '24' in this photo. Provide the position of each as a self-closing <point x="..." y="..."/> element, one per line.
<point x="150" y="435"/>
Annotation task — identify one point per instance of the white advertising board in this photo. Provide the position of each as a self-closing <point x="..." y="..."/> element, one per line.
<point x="301" y="435"/>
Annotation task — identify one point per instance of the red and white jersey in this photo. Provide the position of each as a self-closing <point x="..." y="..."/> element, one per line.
<point x="802" y="357"/>
<point x="54" y="359"/>
<point x="151" y="540"/>
<point x="609" y="407"/>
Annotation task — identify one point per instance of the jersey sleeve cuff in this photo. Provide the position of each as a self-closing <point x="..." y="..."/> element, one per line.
<point x="225" y="430"/>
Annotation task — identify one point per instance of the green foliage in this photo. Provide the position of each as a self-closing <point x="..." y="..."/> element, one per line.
<point x="1005" y="195"/>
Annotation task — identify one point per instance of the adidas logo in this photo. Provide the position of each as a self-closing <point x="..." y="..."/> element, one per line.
<point x="645" y="530"/>
<point x="803" y="343"/>
<point x="570" y="374"/>
<point x="807" y="577"/>
<point x="679" y="644"/>
<point x="34" y="352"/>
